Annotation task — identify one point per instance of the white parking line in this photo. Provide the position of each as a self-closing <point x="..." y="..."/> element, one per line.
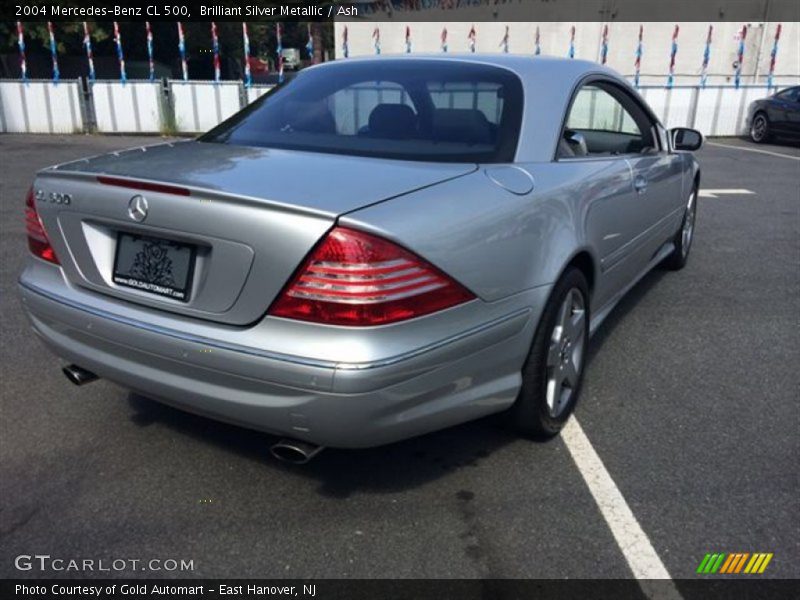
<point x="789" y="156"/>
<point x="715" y="193"/>
<point x="629" y="535"/>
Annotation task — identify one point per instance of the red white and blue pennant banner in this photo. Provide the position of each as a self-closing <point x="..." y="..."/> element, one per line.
<point x="53" y="52"/>
<point x="23" y="63"/>
<point x="182" y="51"/>
<point x="774" y="54"/>
<point x="87" y="44"/>
<point x="248" y="77"/>
<point x="120" y="55"/>
<point x="672" y="54"/>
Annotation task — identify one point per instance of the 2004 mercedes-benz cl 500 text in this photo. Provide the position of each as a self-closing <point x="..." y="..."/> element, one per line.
<point x="377" y="249"/>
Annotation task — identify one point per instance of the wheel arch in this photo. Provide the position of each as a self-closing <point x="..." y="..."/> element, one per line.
<point x="584" y="261"/>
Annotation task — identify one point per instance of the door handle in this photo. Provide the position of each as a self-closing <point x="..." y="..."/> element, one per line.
<point x="640" y="183"/>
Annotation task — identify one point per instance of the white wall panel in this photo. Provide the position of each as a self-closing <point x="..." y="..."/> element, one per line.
<point x="40" y="107"/>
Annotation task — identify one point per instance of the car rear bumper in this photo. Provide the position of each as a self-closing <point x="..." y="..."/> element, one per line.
<point x="335" y="404"/>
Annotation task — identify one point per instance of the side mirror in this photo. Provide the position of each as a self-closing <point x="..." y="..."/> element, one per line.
<point x="684" y="138"/>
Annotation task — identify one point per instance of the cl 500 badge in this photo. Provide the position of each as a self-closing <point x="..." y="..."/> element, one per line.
<point x="53" y="197"/>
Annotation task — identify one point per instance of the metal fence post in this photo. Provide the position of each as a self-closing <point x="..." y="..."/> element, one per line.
<point x="86" y="103"/>
<point x="167" y="109"/>
<point x="693" y="106"/>
<point x="243" y="99"/>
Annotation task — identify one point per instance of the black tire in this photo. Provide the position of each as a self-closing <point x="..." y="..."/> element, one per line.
<point x="531" y="414"/>
<point x="760" y="130"/>
<point x="680" y="256"/>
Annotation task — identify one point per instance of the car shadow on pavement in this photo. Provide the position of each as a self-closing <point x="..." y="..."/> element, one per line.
<point x="621" y="310"/>
<point x="391" y="468"/>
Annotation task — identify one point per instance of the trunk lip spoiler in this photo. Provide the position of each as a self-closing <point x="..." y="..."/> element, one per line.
<point x="199" y="192"/>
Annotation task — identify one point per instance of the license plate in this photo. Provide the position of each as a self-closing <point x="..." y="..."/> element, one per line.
<point x="154" y="265"/>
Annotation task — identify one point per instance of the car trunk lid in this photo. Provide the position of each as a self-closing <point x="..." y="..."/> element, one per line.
<point x="248" y="216"/>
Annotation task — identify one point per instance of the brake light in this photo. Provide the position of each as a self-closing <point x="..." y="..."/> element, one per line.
<point x="38" y="242"/>
<point x="144" y="186"/>
<point x="358" y="279"/>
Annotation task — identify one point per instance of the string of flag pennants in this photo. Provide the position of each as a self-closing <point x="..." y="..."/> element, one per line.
<point x="87" y="44"/>
<point x="571" y="51"/>
<point x="150" y="63"/>
<point x="248" y="77"/>
<point x="376" y="40"/>
<point x="637" y="64"/>
<point x="310" y="43"/>
<point x="740" y="56"/>
<point x="773" y="54"/>
<point x="182" y="51"/>
<point x="471" y="43"/>
<point x="215" y="50"/>
<point x="672" y="54"/>
<point x="279" y="51"/>
<point x="23" y="65"/>
<point x="706" y="57"/>
<point x="53" y="52"/>
<point x="120" y="54"/>
<point x="604" y="45"/>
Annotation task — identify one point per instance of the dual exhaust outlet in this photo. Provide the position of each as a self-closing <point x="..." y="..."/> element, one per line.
<point x="78" y="375"/>
<point x="296" y="452"/>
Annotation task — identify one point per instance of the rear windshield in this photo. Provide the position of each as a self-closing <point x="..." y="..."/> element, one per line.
<point x="425" y="110"/>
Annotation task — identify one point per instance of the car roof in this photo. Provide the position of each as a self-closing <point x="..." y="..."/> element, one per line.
<point x="524" y="65"/>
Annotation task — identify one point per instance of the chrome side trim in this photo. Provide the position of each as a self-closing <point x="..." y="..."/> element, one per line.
<point x="290" y="358"/>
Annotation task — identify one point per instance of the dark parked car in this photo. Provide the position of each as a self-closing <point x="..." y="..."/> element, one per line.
<point x="775" y="116"/>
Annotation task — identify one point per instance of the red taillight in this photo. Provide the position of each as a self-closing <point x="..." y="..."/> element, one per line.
<point x="38" y="241"/>
<point x="354" y="278"/>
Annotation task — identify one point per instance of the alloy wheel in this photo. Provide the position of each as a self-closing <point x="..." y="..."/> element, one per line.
<point x="565" y="353"/>
<point x="759" y="128"/>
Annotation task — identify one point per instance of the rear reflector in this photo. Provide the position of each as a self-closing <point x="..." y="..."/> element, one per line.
<point x="38" y="242"/>
<point x="358" y="279"/>
<point x="143" y="185"/>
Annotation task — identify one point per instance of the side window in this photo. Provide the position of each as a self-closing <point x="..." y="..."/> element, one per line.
<point x="604" y="121"/>
<point x="790" y="95"/>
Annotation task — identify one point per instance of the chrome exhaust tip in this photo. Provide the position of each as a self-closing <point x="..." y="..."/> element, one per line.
<point x="79" y="376"/>
<point x="296" y="452"/>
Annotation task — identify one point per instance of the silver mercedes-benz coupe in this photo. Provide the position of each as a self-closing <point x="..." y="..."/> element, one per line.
<point x="377" y="249"/>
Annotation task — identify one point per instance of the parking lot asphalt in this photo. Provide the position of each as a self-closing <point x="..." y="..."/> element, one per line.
<point x="690" y="401"/>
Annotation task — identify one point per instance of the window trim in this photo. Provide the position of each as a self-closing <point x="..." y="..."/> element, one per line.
<point x="620" y="88"/>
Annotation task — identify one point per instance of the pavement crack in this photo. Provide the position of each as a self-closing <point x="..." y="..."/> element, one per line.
<point x="14" y="519"/>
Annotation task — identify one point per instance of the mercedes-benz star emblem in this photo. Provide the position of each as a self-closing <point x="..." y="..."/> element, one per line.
<point x="137" y="208"/>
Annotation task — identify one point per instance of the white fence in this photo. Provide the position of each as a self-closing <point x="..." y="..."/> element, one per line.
<point x="715" y="111"/>
<point x="200" y="105"/>
<point x="255" y="92"/>
<point x="196" y="106"/>
<point x="41" y="107"/>
<point x="135" y="107"/>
